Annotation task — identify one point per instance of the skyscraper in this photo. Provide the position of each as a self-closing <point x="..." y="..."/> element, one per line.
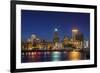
<point x="56" y="37"/>
<point x="77" y="38"/>
<point x="65" y="41"/>
<point x="74" y="33"/>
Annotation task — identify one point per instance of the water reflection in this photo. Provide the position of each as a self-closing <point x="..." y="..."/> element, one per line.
<point x="74" y="55"/>
<point x="53" y="56"/>
<point x="56" y="56"/>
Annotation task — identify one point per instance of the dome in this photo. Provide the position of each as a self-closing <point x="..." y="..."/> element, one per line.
<point x="33" y="36"/>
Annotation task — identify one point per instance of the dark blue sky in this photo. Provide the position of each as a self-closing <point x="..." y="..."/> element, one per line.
<point x="43" y="23"/>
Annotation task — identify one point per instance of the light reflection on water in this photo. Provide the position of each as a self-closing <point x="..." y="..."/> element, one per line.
<point x="74" y="55"/>
<point x="56" y="56"/>
<point x="52" y="56"/>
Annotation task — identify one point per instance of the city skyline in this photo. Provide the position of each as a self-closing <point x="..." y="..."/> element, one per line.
<point x="43" y="24"/>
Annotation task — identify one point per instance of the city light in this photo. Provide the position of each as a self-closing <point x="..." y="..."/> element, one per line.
<point x="56" y="29"/>
<point x="74" y="30"/>
<point x="51" y="36"/>
<point x="74" y="55"/>
<point x="38" y="50"/>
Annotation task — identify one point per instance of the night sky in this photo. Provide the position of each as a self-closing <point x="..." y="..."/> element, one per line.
<point x="43" y="23"/>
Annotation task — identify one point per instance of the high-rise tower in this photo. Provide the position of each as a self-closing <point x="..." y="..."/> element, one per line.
<point x="74" y="33"/>
<point x="77" y="38"/>
<point x="56" y="37"/>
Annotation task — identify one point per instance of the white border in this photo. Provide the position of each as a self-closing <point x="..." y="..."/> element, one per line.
<point x="20" y="65"/>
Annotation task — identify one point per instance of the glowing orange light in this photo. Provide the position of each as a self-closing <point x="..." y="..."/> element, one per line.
<point x="74" y="55"/>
